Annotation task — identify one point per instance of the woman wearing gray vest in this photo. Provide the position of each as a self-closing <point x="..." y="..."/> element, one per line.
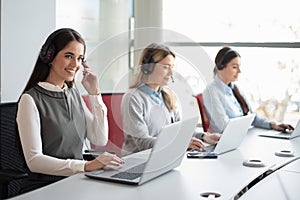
<point x="53" y="120"/>
<point x="149" y="104"/>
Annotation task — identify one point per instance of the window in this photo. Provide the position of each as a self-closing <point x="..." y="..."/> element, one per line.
<point x="267" y="37"/>
<point x="103" y="24"/>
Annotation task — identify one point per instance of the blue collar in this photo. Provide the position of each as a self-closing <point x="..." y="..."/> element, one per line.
<point x="155" y="96"/>
<point x="222" y="85"/>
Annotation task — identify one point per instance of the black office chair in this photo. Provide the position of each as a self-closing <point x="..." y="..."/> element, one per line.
<point x="12" y="163"/>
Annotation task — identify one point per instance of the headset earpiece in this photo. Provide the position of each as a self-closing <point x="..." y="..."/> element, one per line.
<point x="220" y="64"/>
<point x="148" y="68"/>
<point x="148" y="62"/>
<point x="48" y="50"/>
<point x="47" y="53"/>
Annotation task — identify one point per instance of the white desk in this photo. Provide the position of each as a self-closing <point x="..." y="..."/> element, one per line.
<point x="282" y="184"/>
<point x="225" y="175"/>
<point x="293" y="167"/>
<point x="264" y="148"/>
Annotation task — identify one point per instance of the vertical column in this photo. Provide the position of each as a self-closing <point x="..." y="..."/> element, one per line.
<point x="109" y="55"/>
<point x="114" y="17"/>
<point x="148" y="23"/>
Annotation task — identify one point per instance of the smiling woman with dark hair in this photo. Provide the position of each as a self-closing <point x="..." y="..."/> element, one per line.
<point x="53" y="120"/>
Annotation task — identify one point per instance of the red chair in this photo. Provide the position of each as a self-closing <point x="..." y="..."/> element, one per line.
<point x="115" y="123"/>
<point x="204" y="118"/>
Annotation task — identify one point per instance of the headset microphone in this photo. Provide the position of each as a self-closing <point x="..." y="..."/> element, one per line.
<point x="172" y="79"/>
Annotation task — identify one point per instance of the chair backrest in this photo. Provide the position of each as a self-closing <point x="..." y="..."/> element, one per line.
<point x="12" y="161"/>
<point x="204" y="118"/>
<point x="115" y="123"/>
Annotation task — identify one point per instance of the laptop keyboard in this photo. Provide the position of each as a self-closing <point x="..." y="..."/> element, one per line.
<point x="210" y="148"/>
<point x="131" y="173"/>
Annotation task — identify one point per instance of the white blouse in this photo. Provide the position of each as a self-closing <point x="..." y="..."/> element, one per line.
<point x="28" y="121"/>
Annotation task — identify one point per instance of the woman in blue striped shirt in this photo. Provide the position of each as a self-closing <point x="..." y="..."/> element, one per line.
<point x="224" y="100"/>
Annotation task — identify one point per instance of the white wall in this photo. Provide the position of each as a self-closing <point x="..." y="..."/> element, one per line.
<point x="24" y="28"/>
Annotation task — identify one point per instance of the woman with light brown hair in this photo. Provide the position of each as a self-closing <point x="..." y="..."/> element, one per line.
<point x="149" y="104"/>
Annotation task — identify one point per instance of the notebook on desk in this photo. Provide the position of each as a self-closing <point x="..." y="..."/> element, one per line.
<point x="233" y="135"/>
<point x="166" y="154"/>
<point x="282" y="135"/>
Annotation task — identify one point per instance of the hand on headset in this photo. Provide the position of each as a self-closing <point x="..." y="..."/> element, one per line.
<point x="90" y="80"/>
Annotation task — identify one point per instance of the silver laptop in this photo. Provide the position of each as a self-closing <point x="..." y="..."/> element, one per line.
<point x="282" y="135"/>
<point x="233" y="135"/>
<point x="166" y="154"/>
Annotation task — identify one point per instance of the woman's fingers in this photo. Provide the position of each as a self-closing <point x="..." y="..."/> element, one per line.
<point x="196" y="144"/>
<point x="110" y="159"/>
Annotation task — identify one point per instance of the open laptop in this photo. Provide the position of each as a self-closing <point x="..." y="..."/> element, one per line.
<point x="282" y="135"/>
<point x="166" y="154"/>
<point x="233" y="135"/>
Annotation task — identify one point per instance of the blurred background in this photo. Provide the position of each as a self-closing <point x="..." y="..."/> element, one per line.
<point x="266" y="36"/>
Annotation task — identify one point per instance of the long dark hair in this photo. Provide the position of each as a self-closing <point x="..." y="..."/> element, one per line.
<point x="55" y="42"/>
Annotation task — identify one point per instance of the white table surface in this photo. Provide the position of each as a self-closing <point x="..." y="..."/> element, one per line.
<point x="282" y="184"/>
<point x="226" y="176"/>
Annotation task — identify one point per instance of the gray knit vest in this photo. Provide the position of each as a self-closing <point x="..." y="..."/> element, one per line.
<point x="63" y="125"/>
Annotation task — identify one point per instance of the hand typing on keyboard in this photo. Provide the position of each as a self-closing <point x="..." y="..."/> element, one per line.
<point x="110" y="159"/>
<point x="114" y="167"/>
<point x="286" y="128"/>
<point x="103" y="160"/>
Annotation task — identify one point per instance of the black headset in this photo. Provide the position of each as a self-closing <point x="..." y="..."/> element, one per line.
<point x="148" y="62"/>
<point x="48" y="50"/>
<point x="220" y="64"/>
